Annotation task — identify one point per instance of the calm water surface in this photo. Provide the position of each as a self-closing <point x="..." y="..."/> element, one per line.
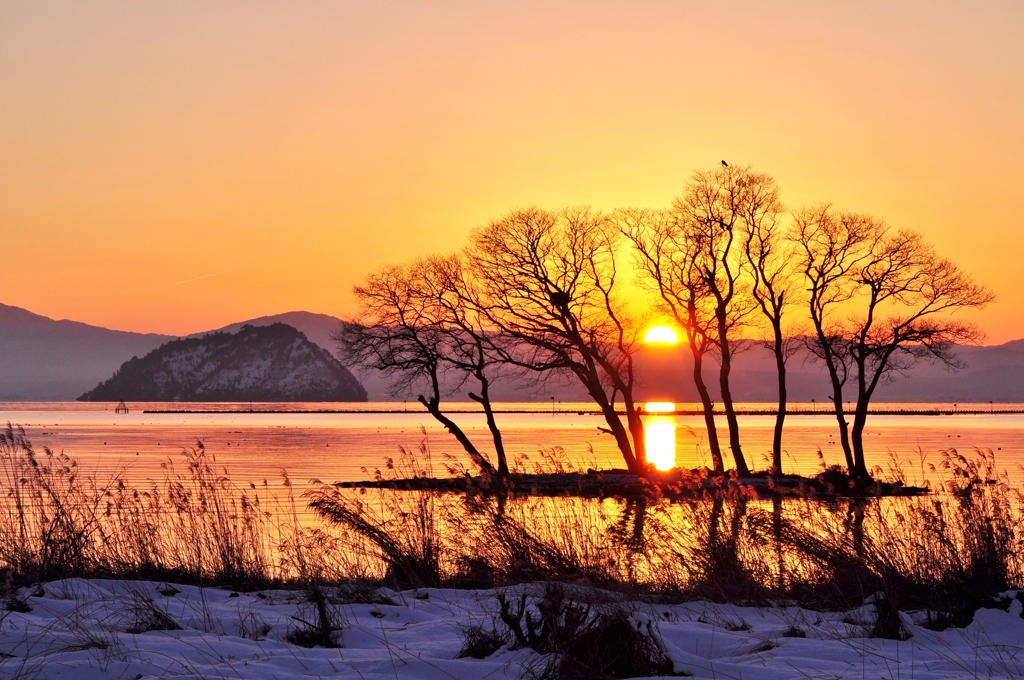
<point x="338" y="446"/>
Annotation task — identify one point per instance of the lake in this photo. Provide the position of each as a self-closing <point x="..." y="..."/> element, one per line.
<point x="255" y="446"/>
<point x="183" y="522"/>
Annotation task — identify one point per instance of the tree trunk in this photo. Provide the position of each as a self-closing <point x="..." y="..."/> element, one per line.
<point x="615" y="426"/>
<point x="844" y="430"/>
<point x="636" y="429"/>
<point x="709" y="412"/>
<point x="484" y="399"/>
<point x="621" y="438"/>
<point x="474" y="455"/>
<point x="780" y="417"/>
<point x="730" y="411"/>
<point x="837" y="403"/>
<point x="865" y="389"/>
<point x="634" y="418"/>
<point x="860" y="418"/>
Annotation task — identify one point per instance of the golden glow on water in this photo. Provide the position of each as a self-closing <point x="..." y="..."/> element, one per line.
<point x="660" y="441"/>
<point x="661" y="335"/>
<point x="660" y="407"/>
<point x="338" y="446"/>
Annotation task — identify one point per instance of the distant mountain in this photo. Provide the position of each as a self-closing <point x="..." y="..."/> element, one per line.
<point x="994" y="373"/>
<point x="42" y="359"/>
<point x="320" y="328"/>
<point x="258" y="363"/>
<point x="317" y="327"/>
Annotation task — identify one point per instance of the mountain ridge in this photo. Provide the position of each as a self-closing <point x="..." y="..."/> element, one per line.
<point x="257" y="363"/>
<point x="43" y="359"/>
<point x="48" y="360"/>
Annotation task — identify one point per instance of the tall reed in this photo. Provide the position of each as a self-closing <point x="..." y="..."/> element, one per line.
<point x="944" y="554"/>
<point x="56" y="520"/>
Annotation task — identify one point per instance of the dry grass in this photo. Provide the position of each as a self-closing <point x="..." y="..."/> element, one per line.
<point x="57" y="520"/>
<point x="945" y="554"/>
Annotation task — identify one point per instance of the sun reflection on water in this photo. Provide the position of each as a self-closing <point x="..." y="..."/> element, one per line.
<point x="660" y="440"/>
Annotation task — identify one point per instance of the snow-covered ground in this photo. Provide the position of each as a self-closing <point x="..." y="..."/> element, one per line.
<point x="79" y="629"/>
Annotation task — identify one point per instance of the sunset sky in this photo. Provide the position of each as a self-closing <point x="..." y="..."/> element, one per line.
<point x="178" y="166"/>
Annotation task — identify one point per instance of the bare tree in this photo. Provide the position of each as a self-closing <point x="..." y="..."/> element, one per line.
<point x="668" y="258"/>
<point x="470" y="348"/>
<point x="898" y="296"/>
<point x="400" y="332"/>
<point x="714" y="210"/>
<point x="770" y="258"/>
<point x="906" y="295"/>
<point x="549" y="281"/>
<point x="833" y="245"/>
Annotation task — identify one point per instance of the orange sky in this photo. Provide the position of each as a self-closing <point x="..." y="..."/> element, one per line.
<point x="176" y="166"/>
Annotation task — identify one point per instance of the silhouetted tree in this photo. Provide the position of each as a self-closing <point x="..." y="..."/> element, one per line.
<point x="469" y="347"/>
<point x="402" y="331"/>
<point x="770" y="259"/>
<point x="714" y="210"/>
<point x="668" y="258"/>
<point x="696" y="257"/>
<point x="549" y="283"/>
<point x="898" y="296"/>
<point x="833" y="245"/>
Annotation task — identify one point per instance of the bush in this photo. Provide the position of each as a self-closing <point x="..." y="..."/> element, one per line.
<point x="320" y="623"/>
<point x="584" y="640"/>
<point x="144" y="615"/>
<point x="479" y="642"/>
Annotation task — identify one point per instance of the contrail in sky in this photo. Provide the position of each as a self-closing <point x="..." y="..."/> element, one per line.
<point x="198" y="278"/>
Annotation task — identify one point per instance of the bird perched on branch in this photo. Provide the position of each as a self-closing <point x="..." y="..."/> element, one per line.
<point x="725" y="164"/>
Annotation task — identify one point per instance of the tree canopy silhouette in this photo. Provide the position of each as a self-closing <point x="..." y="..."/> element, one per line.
<point x="880" y="299"/>
<point x="550" y="282"/>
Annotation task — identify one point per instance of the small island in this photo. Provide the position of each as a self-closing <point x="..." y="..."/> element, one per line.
<point x="258" y="363"/>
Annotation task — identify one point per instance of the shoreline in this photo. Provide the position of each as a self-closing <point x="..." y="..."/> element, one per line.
<point x="677" y="484"/>
<point x="685" y="412"/>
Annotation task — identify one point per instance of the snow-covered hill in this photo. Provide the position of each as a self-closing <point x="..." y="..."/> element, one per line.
<point x="258" y="363"/>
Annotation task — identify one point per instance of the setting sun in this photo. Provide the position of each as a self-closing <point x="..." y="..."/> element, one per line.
<point x="661" y="335"/>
